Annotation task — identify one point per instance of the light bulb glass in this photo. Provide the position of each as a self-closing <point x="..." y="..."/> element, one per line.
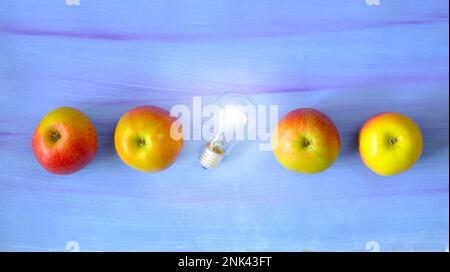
<point x="230" y="126"/>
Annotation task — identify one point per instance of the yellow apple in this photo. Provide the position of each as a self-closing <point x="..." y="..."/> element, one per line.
<point x="143" y="139"/>
<point x="390" y="143"/>
<point x="306" y="141"/>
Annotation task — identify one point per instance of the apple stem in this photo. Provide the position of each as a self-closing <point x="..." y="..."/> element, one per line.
<point x="306" y="143"/>
<point x="140" y="142"/>
<point x="55" y="136"/>
<point x="392" y="140"/>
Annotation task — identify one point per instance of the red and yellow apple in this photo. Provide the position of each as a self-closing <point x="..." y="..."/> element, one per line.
<point x="65" y="141"/>
<point x="143" y="139"/>
<point x="390" y="143"/>
<point x="306" y="141"/>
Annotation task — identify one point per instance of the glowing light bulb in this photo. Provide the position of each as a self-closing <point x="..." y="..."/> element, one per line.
<point x="229" y="128"/>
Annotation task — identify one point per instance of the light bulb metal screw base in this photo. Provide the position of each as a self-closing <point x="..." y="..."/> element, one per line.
<point x="210" y="156"/>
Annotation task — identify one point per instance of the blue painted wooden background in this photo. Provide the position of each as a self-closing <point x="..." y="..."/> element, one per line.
<point x="346" y="58"/>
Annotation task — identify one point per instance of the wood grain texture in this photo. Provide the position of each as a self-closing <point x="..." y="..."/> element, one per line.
<point x="345" y="58"/>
